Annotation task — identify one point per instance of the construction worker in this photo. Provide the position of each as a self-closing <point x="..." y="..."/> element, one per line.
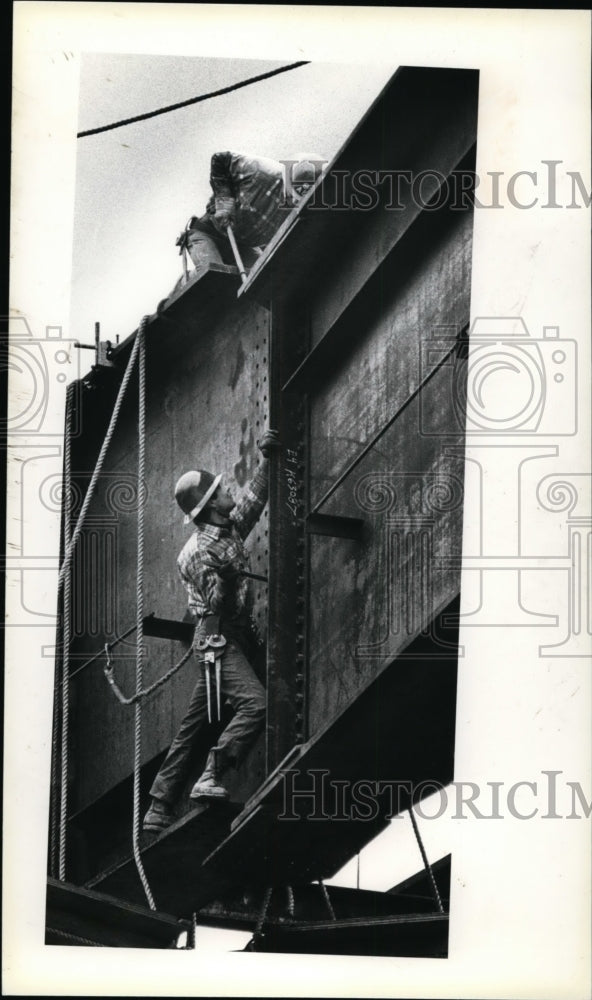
<point x="212" y="566"/>
<point x="253" y="195"/>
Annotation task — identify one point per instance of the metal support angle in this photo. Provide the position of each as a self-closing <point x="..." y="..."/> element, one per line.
<point x="167" y="628"/>
<point x="103" y="350"/>
<point x="335" y="526"/>
<point x="160" y="628"/>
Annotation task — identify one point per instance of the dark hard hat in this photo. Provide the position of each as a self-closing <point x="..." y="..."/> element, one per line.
<point x="193" y="491"/>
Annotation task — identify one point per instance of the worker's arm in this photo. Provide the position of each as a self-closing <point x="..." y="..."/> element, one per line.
<point x="213" y="574"/>
<point x="222" y="184"/>
<point x="249" y="509"/>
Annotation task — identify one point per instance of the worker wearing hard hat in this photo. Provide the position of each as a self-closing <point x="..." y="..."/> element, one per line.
<point x="252" y="194"/>
<point x="212" y="566"/>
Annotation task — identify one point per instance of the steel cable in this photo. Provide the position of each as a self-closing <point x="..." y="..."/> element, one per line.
<point x="427" y="865"/>
<point x="192" y="100"/>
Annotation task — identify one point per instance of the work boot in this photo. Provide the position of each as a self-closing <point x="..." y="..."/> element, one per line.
<point x="158" y="817"/>
<point x="209" y="785"/>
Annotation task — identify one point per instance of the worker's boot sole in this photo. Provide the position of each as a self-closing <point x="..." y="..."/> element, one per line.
<point x="156" y="821"/>
<point x="155" y="827"/>
<point x="209" y="792"/>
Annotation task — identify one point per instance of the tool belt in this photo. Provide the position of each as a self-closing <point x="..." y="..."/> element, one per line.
<point x="209" y="635"/>
<point x="211" y="644"/>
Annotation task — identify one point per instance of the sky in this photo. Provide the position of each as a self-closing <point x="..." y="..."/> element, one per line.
<point x="137" y="186"/>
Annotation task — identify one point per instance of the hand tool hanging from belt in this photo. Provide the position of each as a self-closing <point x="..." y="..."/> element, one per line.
<point x="211" y="644"/>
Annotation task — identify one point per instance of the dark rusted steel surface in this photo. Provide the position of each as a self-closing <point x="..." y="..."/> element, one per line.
<point x="399" y="731"/>
<point x="413" y="936"/>
<point x="173" y="863"/>
<point x="409" y="710"/>
<point x="381" y="393"/>
<point x="206" y="407"/>
<point x="109" y="922"/>
<point x="241" y="910"/>
<point x="287" y="555"/>
<point x="368" y="598"/>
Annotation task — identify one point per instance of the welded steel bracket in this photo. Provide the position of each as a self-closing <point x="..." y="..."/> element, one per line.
<point x="335" y="525"/>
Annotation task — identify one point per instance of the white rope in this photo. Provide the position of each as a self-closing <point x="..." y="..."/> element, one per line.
<point x="140" y="609"/>
<point x="426" y="863"/>
<point x="133" y="699"/>
<point x="69" y="550"/>
<point x="54" y="802"/>
<point x="66" y="637"/>
<point x="327" y="899"/>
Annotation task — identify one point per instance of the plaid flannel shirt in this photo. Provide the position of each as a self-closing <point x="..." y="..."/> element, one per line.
<point x="257" y="187"/>
<point x="208" y="592"/>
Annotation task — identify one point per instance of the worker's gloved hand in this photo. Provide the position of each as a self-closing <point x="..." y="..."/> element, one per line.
<point x="226" y="570"/>
<point x="268" y="443"/>
<point x="225" y="212"/>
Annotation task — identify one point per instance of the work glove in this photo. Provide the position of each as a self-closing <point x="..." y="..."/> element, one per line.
<point x="268" y="443"/>
<point x="225" y="212"/>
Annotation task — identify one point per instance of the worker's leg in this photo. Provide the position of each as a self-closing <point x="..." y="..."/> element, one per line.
<point x="202" y="248"/>
<point x="246" y="695"/>
<point x="175" y="768"/>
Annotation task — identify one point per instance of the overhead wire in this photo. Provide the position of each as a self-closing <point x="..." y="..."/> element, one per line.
<point x="192" y="100"/>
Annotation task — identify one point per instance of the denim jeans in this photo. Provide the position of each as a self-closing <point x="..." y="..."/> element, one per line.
<point x="214" y="248"/>
<point x="246" y="695"/>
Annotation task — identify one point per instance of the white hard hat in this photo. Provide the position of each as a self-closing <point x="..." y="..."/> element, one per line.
<point x="193" y="490"/>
